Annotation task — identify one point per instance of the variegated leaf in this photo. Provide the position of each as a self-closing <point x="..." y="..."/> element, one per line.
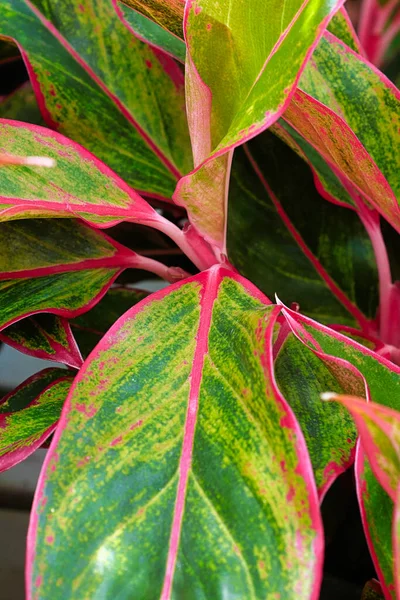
<point x="178" y="410"/>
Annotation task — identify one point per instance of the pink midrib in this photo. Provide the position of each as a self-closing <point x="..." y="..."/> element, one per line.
<point x="343" y="299"/>
<point x="206" y="304"/>
<point x="121" y="107"/>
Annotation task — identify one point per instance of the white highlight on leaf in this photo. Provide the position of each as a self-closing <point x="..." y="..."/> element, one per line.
<point x="328" y="396"/>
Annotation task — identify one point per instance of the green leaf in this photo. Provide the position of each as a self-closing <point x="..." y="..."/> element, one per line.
<point x="325" y="264"/>
<point x="176" y="445"/>
<point x="104" y="88"/>
<point x="70" y="268"/>
<point x="230" y="98"/>
<point x="328" y="429"/>
<point x="78" y="184"/>
<point x="44" y="336"/>
<point x="89" y="328"/>
<point x="29" y="414"/>
<point x="342" y="27"/>
<point x="21" y="105"/>
<point x="152" y="33"/>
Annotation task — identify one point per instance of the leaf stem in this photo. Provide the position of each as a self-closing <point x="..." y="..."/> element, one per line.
<point x="171" y="274"/>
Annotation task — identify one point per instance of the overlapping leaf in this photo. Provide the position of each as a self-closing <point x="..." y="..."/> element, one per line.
<point x="44" y="336"/>
<point x="230" y="105"/>
<point x="150" y="29"/>
<point x="325" y="264"/>
<point x="70" y="268"/>
<point x="383" y="380"/>
<point x="178" y="410"/>
<point x="29" y="414"/>
<point x="329" y="431"/>
<point x="104" y="88"/>
<point x="359" y="145"/>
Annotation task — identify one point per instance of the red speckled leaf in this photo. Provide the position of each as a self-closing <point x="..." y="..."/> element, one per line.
<point x="177" y="409"/>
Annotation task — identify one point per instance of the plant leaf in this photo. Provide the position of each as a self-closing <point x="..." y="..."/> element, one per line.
<point x="328" y="429"/>
<point x="71" y="268"/>
<point x="152" y="33"/>
<point x="342" y="27"/>
<point x="379" y="429"/>
<point x="168" y="14"/>
<point x="29" y="414"/>
<point x="190" y="428"/>
<point x="125" y="106"/>
<point x="326" y="264"/>
<point x="383" y="381"/>
<point x="226" y="108"/>
<point x="89" y="328"/>
<point x="44" y="336"/>
<point x="372" y="590"/>
<point x="78" y="185"/>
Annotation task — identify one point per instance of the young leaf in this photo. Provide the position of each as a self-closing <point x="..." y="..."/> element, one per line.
<point x="226" y="108"/>
<point x="326" y="264"/>
<point x="178" y="410"/>
<point x="328" y="429"/>
<point x="104" y="88"/>
<point x="29" y="414"/>
<point x="44" y="336"/>
<point x="89" y="328"/>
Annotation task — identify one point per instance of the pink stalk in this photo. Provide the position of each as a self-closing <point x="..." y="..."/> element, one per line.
<point x="191" y="244"/>
<point x="171" y="274"/>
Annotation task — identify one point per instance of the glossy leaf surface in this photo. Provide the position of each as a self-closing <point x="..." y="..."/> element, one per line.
<point x="328" y="429"/>
<point x="121" y="105"/>
<point x="44" y="336"/>
<point x="29" y="414"/>
<point x="227" y="107"/>
<point x="78" y="185"/>
<point x="177" y="409"/>
<point x="168" y="14"/>
<point x="325" y="264"/>
<point x="89" y="328"/>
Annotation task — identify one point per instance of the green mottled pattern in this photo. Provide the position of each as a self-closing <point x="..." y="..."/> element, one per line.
<point x="21" y="105"/>
<point x="328" y="428"/>
<point x="74" y="183"/>
<point x="89" y="328"/>
<point x="339" y="27"/>
<point x="104" y="528"/>
<point x="62" y="293"/>
<point x="37" y="334"/>
<point x="22" y="429"/>
<point x="36" y="243"/>
<point x="129" y="69"/>
<point x="327" y="177"/>
<point x="379" y="511"/>
<point x="344" y="83"/>
<point x="263" y="249"/>
<point x="240" y="36"/>
<point x="78" y="105"/>
<point x="153" y="33"/>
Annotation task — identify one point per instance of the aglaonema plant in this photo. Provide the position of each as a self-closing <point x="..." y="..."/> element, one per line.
<point x="246" y="153"/>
